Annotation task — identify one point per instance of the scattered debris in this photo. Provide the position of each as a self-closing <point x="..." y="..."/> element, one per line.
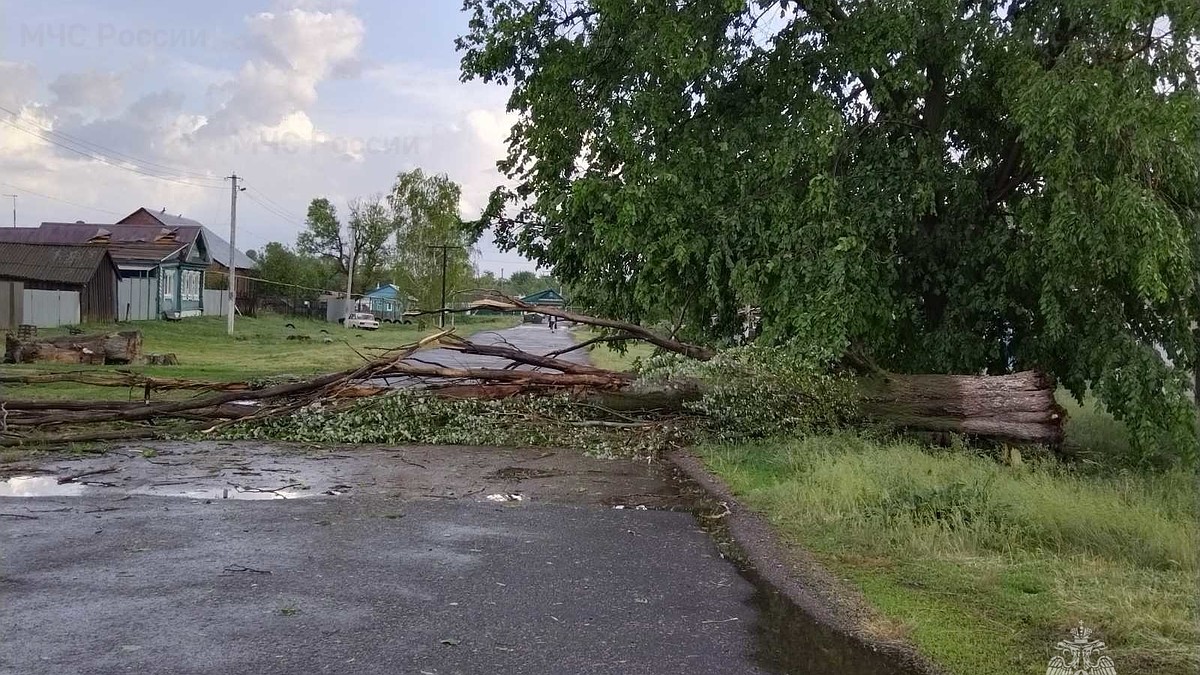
<point x="505" y="497"/>
<point x="73" y="477"/>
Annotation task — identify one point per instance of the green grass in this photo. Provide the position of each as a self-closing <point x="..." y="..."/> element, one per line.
<point x="984" y="565"/>
<point x="606" y="356"/>
<point x="259" y="349"/>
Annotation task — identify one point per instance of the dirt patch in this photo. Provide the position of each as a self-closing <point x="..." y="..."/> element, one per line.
<point x="212" y="470"/>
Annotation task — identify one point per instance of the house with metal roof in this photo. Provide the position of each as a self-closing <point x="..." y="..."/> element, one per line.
<point x="87" y="274"/>
<point x="218" y="253"/>
<point x="387" y="302"/>
<point x="161" y="269"/>
<point x="549" y="297"/>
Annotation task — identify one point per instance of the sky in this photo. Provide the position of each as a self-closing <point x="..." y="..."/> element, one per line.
<point x="301" y="98"/>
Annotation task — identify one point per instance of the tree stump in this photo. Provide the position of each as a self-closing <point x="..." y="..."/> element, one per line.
<point x="162" y="359"/>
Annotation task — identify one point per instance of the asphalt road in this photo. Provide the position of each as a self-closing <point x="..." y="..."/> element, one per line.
<point x="372" y="581"/>
<point x="533" y="338"/>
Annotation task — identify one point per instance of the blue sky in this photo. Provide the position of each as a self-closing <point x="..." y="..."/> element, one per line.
<point x="303" y="98"/>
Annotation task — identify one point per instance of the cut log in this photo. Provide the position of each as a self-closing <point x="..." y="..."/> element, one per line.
<point x="111" y="348"/>
<point x="1019" y="407"/>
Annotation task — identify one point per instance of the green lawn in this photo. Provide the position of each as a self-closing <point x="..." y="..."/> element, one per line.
<point x="985" y="565"/>
<point x="606" y="356"/>
<point x="259" y="349"/>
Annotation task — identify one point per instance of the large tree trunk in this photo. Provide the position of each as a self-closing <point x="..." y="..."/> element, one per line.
<point x="1020" y="407"/>
<point x="112" y="348"/>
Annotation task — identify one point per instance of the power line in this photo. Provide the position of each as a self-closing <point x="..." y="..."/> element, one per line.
<point x="95" y="148"/>
<point x="105" y="160"/>
<point x="282" y="209"/>
<point x="120" y="160"/>
<point x="286" y="217"/>
<point x="58" y="199"/>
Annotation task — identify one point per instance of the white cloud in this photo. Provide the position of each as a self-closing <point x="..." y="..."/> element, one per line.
<point x="296" y="50"/>
<point x="18" y="83"/>
<point x="89" y="89"/>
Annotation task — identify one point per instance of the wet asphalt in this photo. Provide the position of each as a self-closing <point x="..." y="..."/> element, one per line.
<point x="162" y="585"/>
<point x="414" y="580"/>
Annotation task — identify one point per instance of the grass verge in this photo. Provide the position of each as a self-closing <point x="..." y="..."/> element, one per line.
<point x="260" y="349"/>
<point x="985" y="565"/>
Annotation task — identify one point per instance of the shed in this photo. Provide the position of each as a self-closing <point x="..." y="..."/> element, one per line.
<point x="86" y="270"/>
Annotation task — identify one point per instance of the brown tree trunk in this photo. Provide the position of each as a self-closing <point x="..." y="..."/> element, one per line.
<point x="112" y="348"/>
<point x="1020" y="407"/>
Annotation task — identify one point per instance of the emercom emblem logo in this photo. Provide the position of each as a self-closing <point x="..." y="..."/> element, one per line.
<point x="1081" y="655"/>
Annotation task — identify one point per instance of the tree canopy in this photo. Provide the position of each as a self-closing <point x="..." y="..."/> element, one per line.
<point x="425" y="217"/>
<point x="941" y="185"/>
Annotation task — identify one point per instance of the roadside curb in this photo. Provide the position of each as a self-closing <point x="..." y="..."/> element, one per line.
<point x="826" y="600"/>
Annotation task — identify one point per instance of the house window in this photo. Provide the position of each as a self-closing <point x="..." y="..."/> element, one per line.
<point x="189" y="286"/>
<point x="168" y="284"/>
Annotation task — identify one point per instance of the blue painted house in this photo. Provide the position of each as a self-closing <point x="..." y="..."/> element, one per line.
<point x="387" y="303"/>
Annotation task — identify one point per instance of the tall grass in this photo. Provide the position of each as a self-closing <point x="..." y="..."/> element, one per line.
<point x="965" y="550"/>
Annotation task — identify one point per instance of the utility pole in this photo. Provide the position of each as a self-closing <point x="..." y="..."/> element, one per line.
<point x="14" y="198"/>
<point x="350" y="275"/>
<point x="232" y="252"/>
<point x="444" y="248"/>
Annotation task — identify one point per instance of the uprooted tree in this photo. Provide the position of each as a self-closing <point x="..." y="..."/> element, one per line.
<point x="733" y="393"/>
<point x="941" y="186"/>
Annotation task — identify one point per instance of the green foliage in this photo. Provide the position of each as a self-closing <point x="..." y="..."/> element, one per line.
<point x="412" y="417"/>
<point x="944" y="186"/>
<point x="759" y="391"/>
<point x="322" y="235"/>
<point x="425" y="213"/>
<point x="283" y="265"/>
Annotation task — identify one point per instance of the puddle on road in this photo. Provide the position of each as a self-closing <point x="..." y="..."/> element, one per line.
<point x="791" y="641"/>
<point x="38" y="486"/>
<point x="48" y="486"/>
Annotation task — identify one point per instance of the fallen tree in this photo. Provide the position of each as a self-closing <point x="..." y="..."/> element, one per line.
<point x="110" y="348"/>
<point x="739" y="391"/>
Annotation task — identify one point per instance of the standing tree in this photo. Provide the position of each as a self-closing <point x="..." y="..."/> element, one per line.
<point x="425" y="211"/>
<point x="371" y="221"/>
<point x="285" y="269"/>
<point x="370" y="225"/>
<point x="941" y="185"/>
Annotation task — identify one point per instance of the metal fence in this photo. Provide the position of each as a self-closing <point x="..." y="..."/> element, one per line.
<point x="137" y="299"/>
<point x="216" y="302"/>
<point x="48" y="309"/>
<point x="12" y="296"/>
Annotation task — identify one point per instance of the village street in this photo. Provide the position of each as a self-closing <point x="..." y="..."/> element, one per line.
<point x="239" y="558"/>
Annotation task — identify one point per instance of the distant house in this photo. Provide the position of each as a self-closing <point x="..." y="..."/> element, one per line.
<point x="548" y="297"/>
<point x="218" y="251"/>
<point x="161" y="268"/>
<point x="163" y="261"/>
<point x="387" y="302"/>
<point x="49" y="284"/>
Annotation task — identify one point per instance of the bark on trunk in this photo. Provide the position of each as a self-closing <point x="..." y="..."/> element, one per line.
<point x="111" y="348"/>
<point x="1018" y="407"/>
